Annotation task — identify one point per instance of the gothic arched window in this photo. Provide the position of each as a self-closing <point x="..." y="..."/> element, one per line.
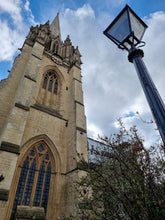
<point x="56" y="51"/>
<point x="34" y="180"/>
<point x="50" y="82"/>
<point x="55" y="47"/>
<point x="45" y="82"/>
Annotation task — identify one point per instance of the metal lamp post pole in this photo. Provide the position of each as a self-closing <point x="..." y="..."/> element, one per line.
<point x="155" y="102"/>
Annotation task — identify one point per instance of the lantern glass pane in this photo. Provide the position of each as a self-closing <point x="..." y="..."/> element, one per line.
<point x="120" y="29"/>
<point x="137" y="27"/>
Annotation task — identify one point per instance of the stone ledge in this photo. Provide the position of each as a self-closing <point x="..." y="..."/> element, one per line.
<point x="28" y="77"/>
<point x="70" y="171"/>
<point x="77" y="102"/>
<point x="34" y="55"/>
<point x="26" y="212"/>
<point x="81" y="129"/>
<point x="19" y="105"/>
<point x="77" y="80"/>
<point x="10" y="147"/>
<point x="80" y="166"/>
<point x="47" y="110"/>
<point x="4" y="193"/>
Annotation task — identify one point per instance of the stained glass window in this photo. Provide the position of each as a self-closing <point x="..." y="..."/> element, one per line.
<point x="20" y="187"/>
<point x="46" y="188"/>
<point x="38" y="191"/>
<point x="33" y="184"/>
<point x="32" y="153"/>
<point x="40" y="148"/>
<point x="29" y="184"/>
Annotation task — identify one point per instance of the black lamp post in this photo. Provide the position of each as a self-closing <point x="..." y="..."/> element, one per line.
<point x="126" y="31"/>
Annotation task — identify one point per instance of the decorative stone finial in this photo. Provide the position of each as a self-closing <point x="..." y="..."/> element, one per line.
<point x="76" y="57"/>
<point x="43" y="33"/>
<point x="30" y="39"/>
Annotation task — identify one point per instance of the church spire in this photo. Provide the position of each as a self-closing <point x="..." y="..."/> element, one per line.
<point x="55" y="27"/>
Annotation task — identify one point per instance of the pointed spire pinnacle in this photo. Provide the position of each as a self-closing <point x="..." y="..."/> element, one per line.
<point x="55" y="27"/>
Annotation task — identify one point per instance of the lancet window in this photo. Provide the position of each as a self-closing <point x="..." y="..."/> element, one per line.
<point x="50" y="82"/>
<point x="34" y="180"/>
<point x="55" y="47"/>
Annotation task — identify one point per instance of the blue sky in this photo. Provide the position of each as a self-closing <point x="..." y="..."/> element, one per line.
<point x="142" y="7"/>
<point x="111" y="87"/>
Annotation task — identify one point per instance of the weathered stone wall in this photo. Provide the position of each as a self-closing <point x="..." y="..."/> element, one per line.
<point x="29" y="114"/>
<point x="9" y="86"/>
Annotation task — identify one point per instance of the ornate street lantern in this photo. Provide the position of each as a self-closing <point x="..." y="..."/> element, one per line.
<point x="126" y="31"/>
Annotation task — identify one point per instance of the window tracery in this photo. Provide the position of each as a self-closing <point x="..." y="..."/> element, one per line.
<point x="34" y="180"/>
<point x="50" y="82"/>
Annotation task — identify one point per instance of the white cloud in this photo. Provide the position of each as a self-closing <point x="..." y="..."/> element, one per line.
<point x="94" y="131"/>
<point x="85" y="11"/>
<point x="154" y="49"/>
<point x="9" y="44"/>
<point x="30" y="15"/>
<point x="118" y="2"/>
<point x="26" y="6"/>
<point x="12" y="7"/>
<point x="13" y="30"/>
<point x="82" y="13"/>
<point x="111" y="85"/>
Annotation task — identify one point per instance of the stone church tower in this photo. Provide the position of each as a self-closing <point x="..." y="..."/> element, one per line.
<point x="42" y="128"/>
